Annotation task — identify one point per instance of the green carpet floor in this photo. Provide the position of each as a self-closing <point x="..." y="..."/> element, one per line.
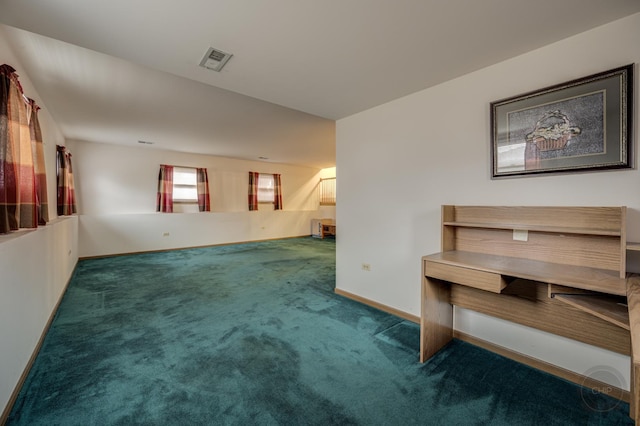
<point x="253" y="334"/>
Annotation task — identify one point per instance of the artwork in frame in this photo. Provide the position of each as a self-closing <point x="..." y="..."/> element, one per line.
<point x="584" y="124"/>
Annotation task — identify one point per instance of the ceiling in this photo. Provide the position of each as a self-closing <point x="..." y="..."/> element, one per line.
<point x="119" y="71"/>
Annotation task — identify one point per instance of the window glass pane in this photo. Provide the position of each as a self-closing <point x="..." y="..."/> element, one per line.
<point x="265" y="188"/>
<point x="184" y="176"/>
<point x="328" y="192"/>
<point x="185" y="184"/>
<point x="182" y="193"/>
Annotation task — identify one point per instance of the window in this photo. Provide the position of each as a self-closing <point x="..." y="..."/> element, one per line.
<point x="265" y="188"/>
<point x="327" y="191"/>
<point x="185" y="185"/>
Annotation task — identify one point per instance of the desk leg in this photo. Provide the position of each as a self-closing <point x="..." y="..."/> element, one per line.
<point x="436" y="317"/>
<point x="633" y="301"/>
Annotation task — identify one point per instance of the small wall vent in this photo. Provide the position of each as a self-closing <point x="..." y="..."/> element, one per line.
<point x="215" y="59"/>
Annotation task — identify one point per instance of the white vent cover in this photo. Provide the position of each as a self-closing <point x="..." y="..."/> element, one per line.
<point x="215" y="59"/>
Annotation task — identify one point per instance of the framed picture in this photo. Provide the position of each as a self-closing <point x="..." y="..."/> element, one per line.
<point x="583" y="124"/>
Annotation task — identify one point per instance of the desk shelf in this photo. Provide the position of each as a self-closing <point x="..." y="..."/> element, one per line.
<point x="581" y="277"/>
<point x="538" y="228"/>
<point x="580" y="236"/>
<point x="606" y="308"/>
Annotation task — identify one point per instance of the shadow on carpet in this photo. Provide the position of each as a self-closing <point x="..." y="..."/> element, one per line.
<point x="253" y="334"/>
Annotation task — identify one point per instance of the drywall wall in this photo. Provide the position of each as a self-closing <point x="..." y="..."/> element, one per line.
<point x="35" y="265"/>
<point x="116" y="189"/>
<point x="399" y="162"/>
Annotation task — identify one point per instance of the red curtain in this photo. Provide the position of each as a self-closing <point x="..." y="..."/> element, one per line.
<point x="18" y="188"/>
<point x="277" y="192"/>
<point x="8" y="174"/>
<point x="204" y="201"/>
<point x="42" y="200"/>
<point x="253" y="190"/>
<point x="165" y="189"/>
<point x="66" y="197"/>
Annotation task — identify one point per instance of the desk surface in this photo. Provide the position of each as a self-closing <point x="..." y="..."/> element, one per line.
<point x="581" y="277"/>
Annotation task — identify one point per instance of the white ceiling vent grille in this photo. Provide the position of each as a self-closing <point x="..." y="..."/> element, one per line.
<point x="215" y="59"/>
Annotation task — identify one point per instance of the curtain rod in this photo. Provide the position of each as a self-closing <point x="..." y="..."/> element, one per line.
<point x="183" y="167"/>
<point x="195" y="167"/>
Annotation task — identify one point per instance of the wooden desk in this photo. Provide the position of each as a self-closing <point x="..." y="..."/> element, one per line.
<point x="321" y="228"/>
<point x="557" y="269"/>
<point x="328" y="229"/>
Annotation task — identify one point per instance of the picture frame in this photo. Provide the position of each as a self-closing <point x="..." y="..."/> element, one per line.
<point x="581" y="125"/>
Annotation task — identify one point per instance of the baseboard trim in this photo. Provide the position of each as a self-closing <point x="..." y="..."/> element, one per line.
<point x="380" y="306"/>
<point x="34" y="354"/>
<point x="563" y="373"/>
<point x="102" y="256"/>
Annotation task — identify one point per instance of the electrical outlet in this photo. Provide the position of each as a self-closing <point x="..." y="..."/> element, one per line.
<point x="366" y="267"/>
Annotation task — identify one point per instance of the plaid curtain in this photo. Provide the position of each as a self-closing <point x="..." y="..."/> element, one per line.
<point x="204" y="203"/>
<point x="42" y="200"/>
<point x="164" y="202"/>
<point x="66" y="187"/>
<point x="8" y="175"/>
<point x="253" y="190"/>
<point x="17" y="176"/>
<point x="277" y="192"/>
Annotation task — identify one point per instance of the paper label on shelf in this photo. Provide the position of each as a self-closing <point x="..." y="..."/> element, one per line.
<point x="520" y="235"/>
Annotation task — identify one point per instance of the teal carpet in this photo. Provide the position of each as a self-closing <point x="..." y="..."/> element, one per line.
<point x="253" y="334"/>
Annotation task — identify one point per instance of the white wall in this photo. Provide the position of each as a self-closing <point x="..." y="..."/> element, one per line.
<point x="399" y="162"/>
<point x="35" y="265"/>
<point x="116" y="189"/>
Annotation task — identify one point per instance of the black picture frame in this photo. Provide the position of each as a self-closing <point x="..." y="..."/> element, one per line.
<point x="583" y="124"/>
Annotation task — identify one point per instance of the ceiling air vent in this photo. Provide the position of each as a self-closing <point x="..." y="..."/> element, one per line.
<point x="215" y="59"/>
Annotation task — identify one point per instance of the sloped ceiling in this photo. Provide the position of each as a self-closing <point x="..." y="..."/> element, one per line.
<point x="122" y="71"/>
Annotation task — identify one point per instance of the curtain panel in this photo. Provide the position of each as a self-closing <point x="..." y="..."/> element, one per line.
<point x="164" y="202"/>
<point x="277" y="192"/>
<point x="42" y="200"/>
<point x="20" y="204"/>
<point x="66" y="194"/>
<point x="8" y="174"/>
<point x="253" y="190"/>
<point x="204" y="201"/>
